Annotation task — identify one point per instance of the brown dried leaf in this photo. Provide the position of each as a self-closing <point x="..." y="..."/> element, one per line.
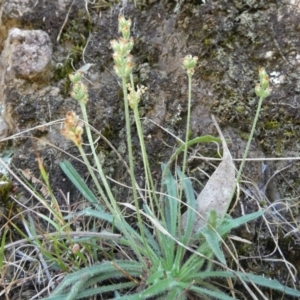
<point x="217" y="193"/>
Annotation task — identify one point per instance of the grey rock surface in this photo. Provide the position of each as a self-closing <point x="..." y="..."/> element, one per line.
<point x="31" y="54"/>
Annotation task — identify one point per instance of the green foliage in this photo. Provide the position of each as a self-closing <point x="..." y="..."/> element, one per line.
<point x="76" y="35"/>
<point x="5" y="189"/>
<point x="167" y="256"/>
<point x="166" y="273"/>
<point x="271" y="125"/>
<point x="63" y="70"/>
<point x="164" y="264"/>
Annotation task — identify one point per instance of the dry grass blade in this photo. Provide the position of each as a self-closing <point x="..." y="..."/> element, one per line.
<point x="217" y="193"/>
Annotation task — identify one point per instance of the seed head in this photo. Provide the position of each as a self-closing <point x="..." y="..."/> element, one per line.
<point x="189" y="63"/>
<point x="80" y="92"/>
<point x="73" y="128"/>
<point x="76" y="77"/>
<point x="263" y="89"/>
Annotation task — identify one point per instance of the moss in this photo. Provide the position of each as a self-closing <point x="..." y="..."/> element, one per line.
<point x="244" y="135"/>
<point x="63" y="70"/>
<point x="271" y="125"/>
<point x="103" y="4"/>
<point x="207" y="42"/>
<point x="245" y="249"/>
<point x="76" y="34"/>
<point x="197" y="35"/>
<point x="279" y="147"/>
<point x="108" y="131"/>
<point x="240" y="108"/>
<point x="78" y="29"/>
<point x="262" y="204"/>
<point x="289" y="134"/>
<point x="6" y="188"/>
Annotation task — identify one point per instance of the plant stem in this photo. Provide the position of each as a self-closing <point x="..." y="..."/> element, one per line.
<point x="99" y="168"/>
<point x="130" y="157"/>
<point x="185" y="148"/>
<point x="239" y="175"/>
<point x="187" y="125"/>
<point x="92" y="173"/>
<point x="250" y="139"/>
<point x="112" y="205"/>
<point x="129" y="142"/>
<point x="148" y="176"/>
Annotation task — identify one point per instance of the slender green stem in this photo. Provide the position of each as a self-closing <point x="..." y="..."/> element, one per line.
<point x="262" y="90"/>
<point x="92" y="173"/>
<point x="114" y="209"/>
<point x="129" y="143"/>
<point x="179" y="254"/>
<point x="130" y="157"/>
<point x="249" y="142"/>
<point x="150" y="188"/>
<point x="187" y="124"/>
<point x="148" y="175"/>
<point x="98" y="165"/>
<point x="189" y="64"/>
<point x="239" y="175"/>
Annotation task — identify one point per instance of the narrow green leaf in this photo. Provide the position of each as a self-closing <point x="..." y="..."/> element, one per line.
<point x="99" y="272"/>
<point x="229" y="223"/>
<point x="123" y="225"/>
<point x="3" y="242"/>
<point x="48" y="220"/>
<point x="197" y="140"/>
<point x="212" y="219"/>
<point x="216" y="294"/>
<point x="152" y="241"/>
<point x="76" y="179"/>
<point x="171" y="211"/>
<point x="175" y="293"/>
<point x="248" y="277"/>
<point x="98" y="291"/>
<point x="170" y="201"/>
<point x="269" y="283"/>
<point x="191" y="206"/>
<point x="160" y="287"/>
<point x="213" y="240"/>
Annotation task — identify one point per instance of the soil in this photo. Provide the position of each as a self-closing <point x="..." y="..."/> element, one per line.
<point x="232" y="40"/>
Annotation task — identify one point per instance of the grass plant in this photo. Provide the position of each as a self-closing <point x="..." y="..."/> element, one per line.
<point x="163" y="263"/>
<point x="155" y="256"/>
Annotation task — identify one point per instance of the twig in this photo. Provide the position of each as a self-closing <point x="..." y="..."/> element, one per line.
<point x="65" y="22"/>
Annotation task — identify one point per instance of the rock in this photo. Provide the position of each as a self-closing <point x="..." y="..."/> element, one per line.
<point x="16" y="8"/>
<point x="27" y="56"/>
<point x="30" y="53"/>
<point x="3" y="128"/>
